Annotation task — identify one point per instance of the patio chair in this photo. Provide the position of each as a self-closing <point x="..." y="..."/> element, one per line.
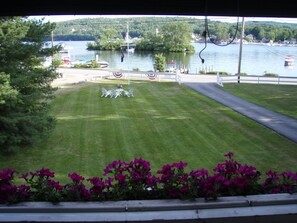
<point x="129" y="93"/>
<point x="107" y="93"/>
<point x="103" y="92"/>
<point x="117" y="93"/>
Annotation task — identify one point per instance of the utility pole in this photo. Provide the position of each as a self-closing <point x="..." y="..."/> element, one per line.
<point x="240" y="51"/>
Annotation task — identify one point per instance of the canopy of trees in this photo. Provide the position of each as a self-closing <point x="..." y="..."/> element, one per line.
<point x="173" y="37"/>
<point x="25" y="85"/>
<point x="90" y="29"/>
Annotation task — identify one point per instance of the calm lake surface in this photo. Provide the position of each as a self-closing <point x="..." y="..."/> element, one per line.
<point x="256" y="59"/>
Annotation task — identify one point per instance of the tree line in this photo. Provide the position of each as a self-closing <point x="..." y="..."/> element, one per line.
<point x="93" y="28"/>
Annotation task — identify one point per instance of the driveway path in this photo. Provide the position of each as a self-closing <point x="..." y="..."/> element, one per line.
<point x="282" y="124"/>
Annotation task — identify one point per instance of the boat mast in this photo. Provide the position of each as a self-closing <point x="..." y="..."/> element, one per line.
<point x="127" y="37"/>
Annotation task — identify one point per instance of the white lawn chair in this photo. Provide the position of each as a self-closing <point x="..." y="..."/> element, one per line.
<point x="129" y="93"/>
<point x="112" y="93"/>
<point x="117" y="93"/>
<point x="108" y="93"/>
<point x="103" y="92"/>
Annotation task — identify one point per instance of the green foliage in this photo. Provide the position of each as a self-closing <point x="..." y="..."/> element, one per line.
<point x="24" y="82"/>
<point x="108" y="40"/>
<point x="176" y="37"/>
<point x="57" y="62"/>
<point x="270" y="75"/>
<point x="160" y="62"/>
<point x="7" y="93"/>
<point x="214" y="72"/>
<point x="90" y="29"/>
<point x="173" y="37"/>
<point x="151" y="42"/>
<point x="94" y="64"/>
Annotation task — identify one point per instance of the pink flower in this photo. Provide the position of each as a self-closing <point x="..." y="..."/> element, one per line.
<point x="45" y="173"/>
<point x="75" y="177"/>
<point x="7" y="174"/>
<point x="24" y="190"/>
<point x="121" y="178"/>
<point x="98" y="185"/>
<point x="230" y="154"/>
<point x="179" y="165"/>
<point x="220" y="168"/>
<point x="116" y="167"/>
<point x="55" y="184"/>
<point x="199" y="173"/>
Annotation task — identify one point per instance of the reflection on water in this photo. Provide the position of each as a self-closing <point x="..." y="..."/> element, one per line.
<point x="256" y="59"/>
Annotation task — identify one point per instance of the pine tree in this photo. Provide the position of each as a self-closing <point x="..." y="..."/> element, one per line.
<point x="25" y="85"/>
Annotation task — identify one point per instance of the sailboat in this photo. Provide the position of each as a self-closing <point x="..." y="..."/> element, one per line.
<point x="130" y="48"/>
<point x="289" y="60"/>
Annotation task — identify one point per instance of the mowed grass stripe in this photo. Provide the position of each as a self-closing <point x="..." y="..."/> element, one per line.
<point x="172" y="123"/>
<point x="162" y="123"/>
<point x="146" y="132"/>
<point x="185" y="120"/>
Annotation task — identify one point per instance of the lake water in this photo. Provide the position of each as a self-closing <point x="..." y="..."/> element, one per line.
<point x="256" y="59"/>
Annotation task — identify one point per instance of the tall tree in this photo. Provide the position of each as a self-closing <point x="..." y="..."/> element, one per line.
<point x="177" y="37"/>
<point x="25" y="85"/>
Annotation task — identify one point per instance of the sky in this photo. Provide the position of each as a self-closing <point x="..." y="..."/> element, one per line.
<point x="217" y="18"/>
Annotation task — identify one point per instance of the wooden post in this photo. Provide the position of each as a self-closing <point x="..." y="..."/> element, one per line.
<point x="240" y="51"/>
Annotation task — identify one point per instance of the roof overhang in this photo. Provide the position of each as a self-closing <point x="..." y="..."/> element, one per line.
<point x="250" y="8"/>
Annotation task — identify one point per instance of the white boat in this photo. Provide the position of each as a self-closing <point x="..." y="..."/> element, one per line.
<point x="130" y="50"/>
<point x="289" y="61"/>
<point x="103" y="64"/>
<point x="171" y="67"/>
<point x="64" y="53"/>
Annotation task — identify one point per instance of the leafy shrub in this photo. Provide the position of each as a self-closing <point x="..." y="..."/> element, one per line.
<point x="270" y="75"/>
<point x="160" y="62"/>
<point x="213" y="72"/>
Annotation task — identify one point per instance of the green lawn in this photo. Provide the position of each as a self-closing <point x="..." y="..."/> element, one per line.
<point x="163" y="123"/>
<point x="279" y="98"/>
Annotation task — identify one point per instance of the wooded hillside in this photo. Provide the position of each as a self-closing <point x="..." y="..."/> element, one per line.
<point x="92" y="28"/>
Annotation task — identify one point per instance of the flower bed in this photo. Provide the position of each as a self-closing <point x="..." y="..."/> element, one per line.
<point x="134" y="181"/>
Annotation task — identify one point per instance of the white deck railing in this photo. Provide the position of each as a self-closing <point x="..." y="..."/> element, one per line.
<point x="221" y="79"/>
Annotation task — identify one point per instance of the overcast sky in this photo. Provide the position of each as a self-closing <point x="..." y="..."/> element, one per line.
<point x="219" y="18"/>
